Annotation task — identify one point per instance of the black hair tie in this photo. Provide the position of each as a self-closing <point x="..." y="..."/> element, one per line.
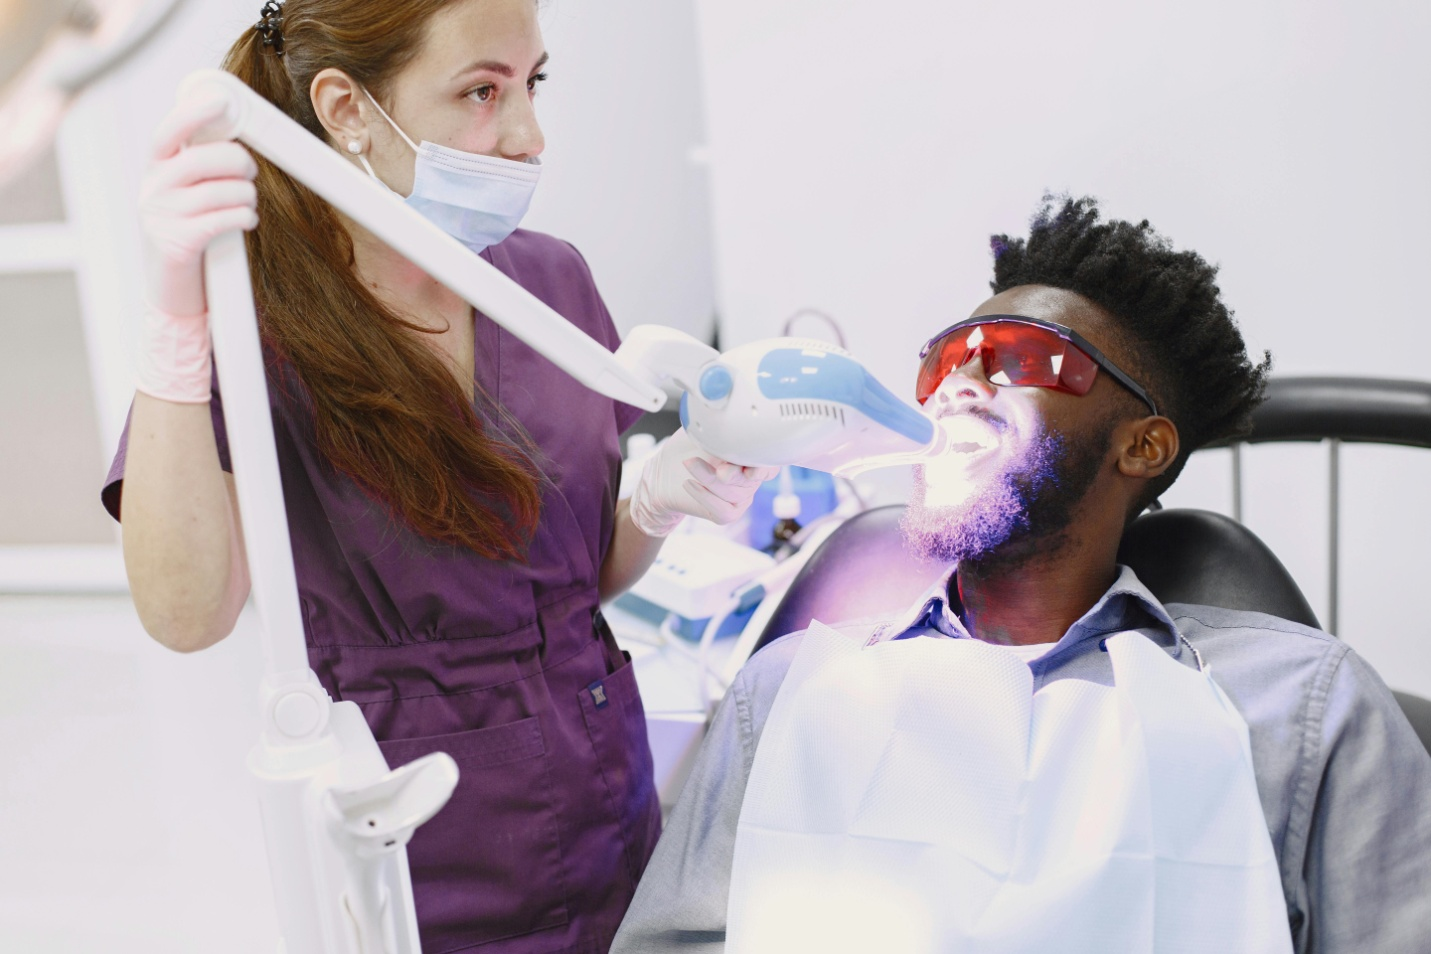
<point x="270" y="25"/>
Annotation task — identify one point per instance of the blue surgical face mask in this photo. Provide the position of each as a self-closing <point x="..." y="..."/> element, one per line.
<point x="478" y="200"/>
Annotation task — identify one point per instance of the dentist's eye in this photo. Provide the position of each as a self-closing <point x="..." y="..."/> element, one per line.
<point x="482" y="94"/>
<point x="536" y="78"/>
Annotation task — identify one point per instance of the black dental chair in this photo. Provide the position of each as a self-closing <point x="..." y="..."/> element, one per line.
<point x="1183" y="556"/>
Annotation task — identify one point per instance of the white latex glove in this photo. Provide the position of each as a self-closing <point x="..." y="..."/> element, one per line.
<point x="680" y="479"/>
<point x="190" y="194"/>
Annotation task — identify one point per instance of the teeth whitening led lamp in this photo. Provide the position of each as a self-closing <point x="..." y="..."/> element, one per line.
<point x="787" y="401"/>
<point x="336" y="819"/>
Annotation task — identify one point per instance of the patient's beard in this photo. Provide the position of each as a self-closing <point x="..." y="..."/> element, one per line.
<point x="1021" y="511"/>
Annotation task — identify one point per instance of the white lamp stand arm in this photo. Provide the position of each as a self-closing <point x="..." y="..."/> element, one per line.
<point x="372" y="822"/>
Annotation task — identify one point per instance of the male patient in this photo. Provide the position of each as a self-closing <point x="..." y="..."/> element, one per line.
<point x="1038" y="755"/>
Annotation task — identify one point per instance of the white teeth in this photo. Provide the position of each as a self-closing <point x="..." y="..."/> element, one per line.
<point x="968" y="434"/>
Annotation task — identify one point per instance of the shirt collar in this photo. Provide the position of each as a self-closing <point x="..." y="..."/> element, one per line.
<point x="1127" y="604"/>
<point x="931" y="610"/>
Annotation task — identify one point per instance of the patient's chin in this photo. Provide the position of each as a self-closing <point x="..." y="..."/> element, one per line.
<point x="947" y="484"/>
<point x="980" y="511"/>
<point x="954" y="521"/>
<point x="1005" y="516"/>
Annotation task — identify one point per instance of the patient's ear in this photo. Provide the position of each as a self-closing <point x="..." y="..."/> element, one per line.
<point x="1146" y="447"/>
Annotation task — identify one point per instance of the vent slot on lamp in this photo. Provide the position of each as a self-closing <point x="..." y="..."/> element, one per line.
<point x="812" y="409"/>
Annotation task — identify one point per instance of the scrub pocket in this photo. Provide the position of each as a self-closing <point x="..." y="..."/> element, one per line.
<point x="488" y="865"/>
<point x="616" y="723"/>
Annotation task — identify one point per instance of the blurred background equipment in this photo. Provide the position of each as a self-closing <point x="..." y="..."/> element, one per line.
<point x="50" y="50"/>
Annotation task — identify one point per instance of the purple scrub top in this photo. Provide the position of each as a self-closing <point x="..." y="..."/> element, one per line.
<point x="506" y="667"/>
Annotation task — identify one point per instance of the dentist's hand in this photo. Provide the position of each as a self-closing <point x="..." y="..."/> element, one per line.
<point x="680" y="480"/>
<point x="190" y="195"/>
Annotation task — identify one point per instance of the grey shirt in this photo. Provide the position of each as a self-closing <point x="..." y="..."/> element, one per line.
<point x="1345" y="784"/>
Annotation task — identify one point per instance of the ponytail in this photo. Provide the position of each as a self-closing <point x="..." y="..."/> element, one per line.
<point x="387" y="412"/>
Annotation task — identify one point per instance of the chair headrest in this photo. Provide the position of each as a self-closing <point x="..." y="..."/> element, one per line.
<point x="1350" y="409"/>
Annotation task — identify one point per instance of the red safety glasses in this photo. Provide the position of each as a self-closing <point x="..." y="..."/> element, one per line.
<point x="1019" y="352"/>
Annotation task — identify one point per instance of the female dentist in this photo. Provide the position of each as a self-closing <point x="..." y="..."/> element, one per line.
<point x="450" y="493"/>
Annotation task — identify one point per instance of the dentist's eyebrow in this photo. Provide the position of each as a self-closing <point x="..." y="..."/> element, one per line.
<point x="496" y="66"/>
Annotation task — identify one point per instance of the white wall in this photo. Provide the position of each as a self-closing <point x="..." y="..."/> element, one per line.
<point x="862" y="154"/>
<point x="130" y="824"/>
<point x="622" y="113"/>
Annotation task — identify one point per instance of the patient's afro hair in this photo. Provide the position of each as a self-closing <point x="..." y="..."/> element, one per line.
<point x="1191" y="357"/>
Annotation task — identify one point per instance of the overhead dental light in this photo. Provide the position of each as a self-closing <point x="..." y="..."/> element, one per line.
<point x="50" y="50"/>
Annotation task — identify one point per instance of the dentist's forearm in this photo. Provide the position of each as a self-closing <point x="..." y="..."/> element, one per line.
<point x="183" y="546"/>
<point x="630" y="556"/>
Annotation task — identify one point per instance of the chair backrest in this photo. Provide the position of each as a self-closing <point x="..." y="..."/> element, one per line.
<point x="862" y="569"/>
<point x="1196" y="556"/>
<point x="1362" y="410"/>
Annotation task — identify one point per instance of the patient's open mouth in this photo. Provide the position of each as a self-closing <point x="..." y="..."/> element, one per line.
<point x="968" y="434"/>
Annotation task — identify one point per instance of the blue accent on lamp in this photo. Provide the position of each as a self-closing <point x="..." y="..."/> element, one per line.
<point x="796" y="373"/>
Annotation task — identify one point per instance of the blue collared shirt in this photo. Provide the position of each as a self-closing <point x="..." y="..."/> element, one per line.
<point x="1128" y="605"/>
<point x="1344" y="782"/>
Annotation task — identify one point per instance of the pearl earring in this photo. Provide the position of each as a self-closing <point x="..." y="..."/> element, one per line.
<point x="353" y="147"/>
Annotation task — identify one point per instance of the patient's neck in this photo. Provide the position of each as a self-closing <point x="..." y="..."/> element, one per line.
<point x="1036" y="599"/>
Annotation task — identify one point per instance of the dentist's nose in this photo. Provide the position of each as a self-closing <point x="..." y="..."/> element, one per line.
<point x="522" y="136"/>
<point x="965" y="384"/>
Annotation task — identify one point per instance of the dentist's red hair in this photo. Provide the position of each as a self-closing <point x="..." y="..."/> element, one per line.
<point x="386" y="411"/>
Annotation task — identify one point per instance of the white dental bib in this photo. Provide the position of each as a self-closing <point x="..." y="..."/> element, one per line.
<point x="918" y="796"/>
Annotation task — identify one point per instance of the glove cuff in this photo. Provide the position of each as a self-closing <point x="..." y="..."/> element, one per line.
<point x="649" y="519"/>
<point x="175" y="360"/>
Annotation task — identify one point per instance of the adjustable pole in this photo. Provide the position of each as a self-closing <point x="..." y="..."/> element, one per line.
<point x="1333" y="533"/>
<point x="1237" y="481"/>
